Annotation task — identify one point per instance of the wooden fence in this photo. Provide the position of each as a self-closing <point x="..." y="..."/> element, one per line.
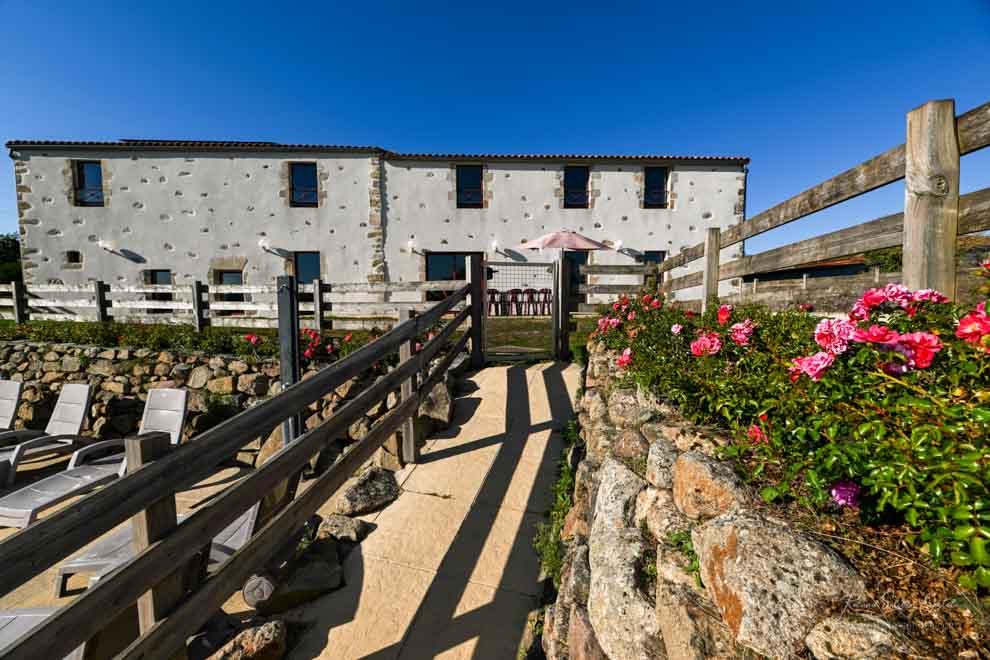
<point x="200" y="305"/>
<point x="170" y="605"/>
<point x="935" y="216"/>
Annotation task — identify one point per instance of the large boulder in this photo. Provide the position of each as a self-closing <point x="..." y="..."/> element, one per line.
<point x="372" y="490"/>
<point x="705" y="488"/>
<point x="438" y="405"/>
<point x="343" y="528"/>
<point x="598" y="440"/>
<point x="631" y="446"/>
<point x="691" y="626"/>
<point x="630" y="408"/>
<point x="262" y="642"/>
<point x="656" y="511"/>
<point x="860" y="637"/>
<point x="623" y="619"/>
<point x="581" y="641"/>
<point x="319" y="575"/>
<point x="771" y="584"/>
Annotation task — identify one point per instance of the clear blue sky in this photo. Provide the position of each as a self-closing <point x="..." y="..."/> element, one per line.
<point x="806" y="92"/>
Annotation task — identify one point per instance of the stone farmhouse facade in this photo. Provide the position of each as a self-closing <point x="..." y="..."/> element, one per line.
<point x="137" y="212"/>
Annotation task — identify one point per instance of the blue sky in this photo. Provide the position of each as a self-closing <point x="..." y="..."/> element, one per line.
<point x="806" y="92"/>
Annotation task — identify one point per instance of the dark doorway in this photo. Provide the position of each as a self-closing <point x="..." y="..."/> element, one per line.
<point x="445" y="266"/>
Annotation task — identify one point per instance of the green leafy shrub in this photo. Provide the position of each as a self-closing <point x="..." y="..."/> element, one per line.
<point x="548" y="544"/>
<point x="887" y="411"/>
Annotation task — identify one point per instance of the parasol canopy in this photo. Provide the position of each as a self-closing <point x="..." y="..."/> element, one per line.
<point x="565" y="239"/>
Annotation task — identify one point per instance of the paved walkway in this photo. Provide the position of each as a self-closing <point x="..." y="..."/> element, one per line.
<point x="449" y="570"/>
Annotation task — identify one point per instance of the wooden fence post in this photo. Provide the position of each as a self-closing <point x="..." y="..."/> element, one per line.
<point x="153" y="524"/>
<point x="931" y="198"/>
<point x="713" y="239"/>
<point x="477" y="311"/>
<point x="19" y="301"/>
<point x="318" y="304"/>
<point x="196" y="289"/>
<point x="288" y="339"/>
<point x="409" y="452"/>
<point x="100" y="291"/>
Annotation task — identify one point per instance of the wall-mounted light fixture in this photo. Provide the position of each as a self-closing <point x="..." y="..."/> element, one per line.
<point x="264" y="244"/>
<point x="494" y="247"/>
<point x="411" y="246"/>
<point x="109" y="246"/>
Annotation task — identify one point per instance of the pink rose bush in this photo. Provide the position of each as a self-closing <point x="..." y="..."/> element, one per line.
<point x="885" y="409"/>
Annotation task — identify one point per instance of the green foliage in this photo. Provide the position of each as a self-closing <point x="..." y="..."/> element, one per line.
<point x="683" y="543"/>
<point x="889" y="259"/>
<point x="646" y="565"/>
<point x="10" y="258"/>
<point x="915" y="443"/>
<point x="215" y="340"/>
<point x="548" y="543"/>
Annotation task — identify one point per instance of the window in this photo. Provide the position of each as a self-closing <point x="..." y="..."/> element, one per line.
<point x="73" y="258"/>
<point x="87" y="178"/>
<point x="469" y="189"/>
<point x="307" y="266"/>
<point x="653" y="256"/>
<point x="302" y="182"/>
<point x="445" y="266"/>
<point x="227" y="277"/>
<point x="655" y="188"/>
<point x="162" y="278"/>
<point x="576" y="187"/>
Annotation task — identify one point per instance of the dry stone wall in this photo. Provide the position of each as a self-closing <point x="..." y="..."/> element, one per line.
<point x="670" y="555"/>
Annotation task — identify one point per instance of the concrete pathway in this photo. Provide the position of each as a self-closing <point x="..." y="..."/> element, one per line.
<point x="450" y="569"/>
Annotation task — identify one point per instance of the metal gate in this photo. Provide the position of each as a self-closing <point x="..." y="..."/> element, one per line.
<point x="521" y="310"/>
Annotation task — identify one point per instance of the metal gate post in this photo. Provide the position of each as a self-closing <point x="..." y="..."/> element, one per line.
<point x="288" y="340"/>
<point x="565" y="308"/>
<point x="555" y="310"/>
<point x="478" y="306"/>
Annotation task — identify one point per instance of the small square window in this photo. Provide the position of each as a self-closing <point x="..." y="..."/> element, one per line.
<point x="444" y="266"/>
<point x="303" y="184"/>
<point x="228" y="277"/>
<point x="162" y="277"/>
<point x="87" y="179"/>
<point x="576" y="187"/>
<point x="653" y="256"/>
<point x="470" y="192"/>
<point x="73" y="257"/>
<point x="655" y="187"/>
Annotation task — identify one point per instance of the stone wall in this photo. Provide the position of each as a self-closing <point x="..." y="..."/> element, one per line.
<point x="219" y="386"/>
<point x="669" y="554"/>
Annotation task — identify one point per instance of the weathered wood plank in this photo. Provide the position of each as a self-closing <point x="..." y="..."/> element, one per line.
<point x="51" y="302"/>
<point x="973" y="129"/>
<point x="592" y="289"/>
<point x="612" y="269"/>
<point x="931" y="202"/>
<point x="974" y="212"/>
<point x="152" y="304"/>
<point x="709" y="274"/>
<point x="685" y="256"/>
<point x="684" y="281"/>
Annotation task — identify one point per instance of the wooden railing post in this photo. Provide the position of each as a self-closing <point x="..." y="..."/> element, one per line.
<point x="100" y="291"/>
<point x="409" y="452"/>
<point x="709" y="294"/>
<point x="318" y="304"/>
<point x="19" y="301"/>
<point x="150" y="525"/>
<point x="196" y="289"/>
<point x="931" y="198"/>
<point x="477" y="311"/>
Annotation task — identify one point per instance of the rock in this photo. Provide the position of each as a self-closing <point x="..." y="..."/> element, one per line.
<point x="162" y="369"/>
<point x="586" y="487"/>
<point x="581" y="641"/>
<point x="375" y="488"/>
<point x="554" y="644"/>
<point x="860" y="637"/>
<point x="166" y="357"/>
<point x="691" y="626"/>
<point x="102" y="367"/>
<point x="630" y="445"/>
<point x="593" y="405"/>
<point x="71" y="364"/>
<point x="660" y="463"/>
<point x="689" y="437"/>
<point x="180" y="373"/>
<point x="264" y="642"/>
<point x="316" y="577"/>
<point x="656" y="511"/>
<point x="238" y="367"/>
<point x="770" y="584"/>
<point x="343" y="528"/>
<point x="624" y="621"/>
<point x="576" y="521"/>
<point x="222" y="385"/>
<point x="199" y="376"/>
<point x="439" y="404"/>
<point x="113" y="387"/>
<point x="575" y="582"/>
<point x="599" y="439"/>
<point x="627" y="409"/>
<point x="704" y="487"/>
<point x="359" y="430"/>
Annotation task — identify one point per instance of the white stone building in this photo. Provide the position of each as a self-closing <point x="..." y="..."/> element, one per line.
<point x="145" y="211"/>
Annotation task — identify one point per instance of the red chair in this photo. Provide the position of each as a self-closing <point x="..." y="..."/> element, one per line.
<point x="546" y="301"/>
<point x="515" y="302"/>
<point x="494" y="301"/>
<point x="529" y="302"/>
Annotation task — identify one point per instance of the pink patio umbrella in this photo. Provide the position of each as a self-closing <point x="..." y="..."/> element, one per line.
<point x="564" y="239"/>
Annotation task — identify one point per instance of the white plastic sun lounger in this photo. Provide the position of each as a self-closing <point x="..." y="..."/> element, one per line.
<point x="106" y="554"/>
<point x="14" y="623"/>
<point x="164" y="411"/>
<point x="61" y="435"/>
<point x="10" y="400"/>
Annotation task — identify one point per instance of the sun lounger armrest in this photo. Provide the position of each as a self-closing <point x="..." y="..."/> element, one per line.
<point x="96" y="447"/>
<point x="20" y="435"/>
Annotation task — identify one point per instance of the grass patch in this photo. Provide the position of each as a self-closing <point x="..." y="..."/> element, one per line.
<point x="548" y="544"/>
<point x="683" y="543"/>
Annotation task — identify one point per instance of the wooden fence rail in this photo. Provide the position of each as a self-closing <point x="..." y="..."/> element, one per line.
<point x="166" y="625"/>
<point x="935" y="214"/>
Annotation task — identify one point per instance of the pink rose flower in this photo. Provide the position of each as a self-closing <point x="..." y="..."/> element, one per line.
<point x="741" y="332"/>
<point x="631" y="316"/>
<point x="845" y="493"/>
<point x="974" y="326"/>
<point x="877" y="334"/>
<point x="929" y="295"/>
<point x="625" y="359"/>
<point x="708" y="343"/>
<point x="859" y="312"/>
<point x="756" y="435"/>
<point x="655" y="303"/>
<point x="923" y="346"/>
<point x="724" y="313"/>
<point x="676" y="329"/>
<point x="898" y="294"/>
<point x="873" y="298"/>
<point x="834" y="335"/>
<point x="614" y="323"/>
<point x="814" y="366"/>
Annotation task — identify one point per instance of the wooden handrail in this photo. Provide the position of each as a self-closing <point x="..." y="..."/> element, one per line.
<point x="88" y="614"/>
